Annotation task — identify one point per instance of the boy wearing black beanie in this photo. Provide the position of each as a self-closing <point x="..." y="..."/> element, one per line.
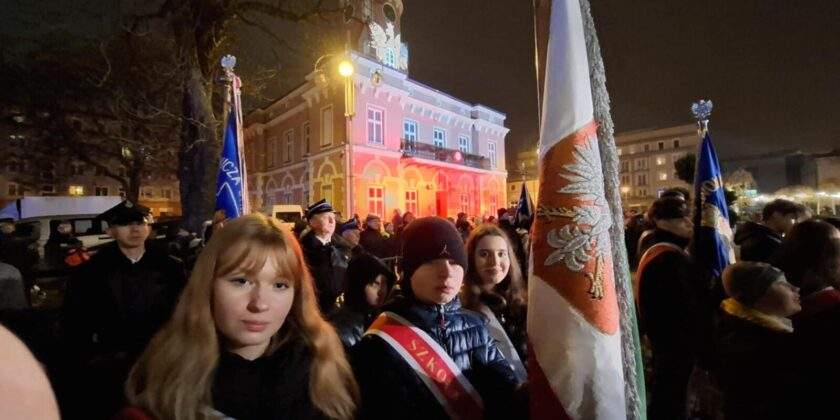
<point x="392" y="383"/>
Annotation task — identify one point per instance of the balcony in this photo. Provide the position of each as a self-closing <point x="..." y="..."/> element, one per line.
<point x="416" y="149"/>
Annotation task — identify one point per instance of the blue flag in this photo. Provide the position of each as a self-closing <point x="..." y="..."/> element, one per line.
<point x="712" y="233"/>
<point x="229" y="185"/>
<point x="525" y="210"/>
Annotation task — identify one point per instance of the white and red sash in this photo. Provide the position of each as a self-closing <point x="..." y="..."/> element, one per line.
<point x="432" y="364"/>
<point x="649" y="255"/>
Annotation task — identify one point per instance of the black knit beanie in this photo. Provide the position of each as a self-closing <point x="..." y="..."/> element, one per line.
<point x="427" y="239"/>
<point x="748" y="281"/>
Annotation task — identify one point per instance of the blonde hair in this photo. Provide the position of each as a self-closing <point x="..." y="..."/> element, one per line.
<point x="511" y="288"/>
<point x="173" y="377"/>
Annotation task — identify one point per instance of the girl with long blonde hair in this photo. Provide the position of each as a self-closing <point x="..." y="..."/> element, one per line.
<point x="246" y="339"/>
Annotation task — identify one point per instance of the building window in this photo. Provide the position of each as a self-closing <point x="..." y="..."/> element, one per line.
<point x="625" y="166"/>
<point x="439" y="137"/>
<point x="410" y="130"/>
<point x="491" y="153"/>
<point x="326" y="126"/>
<point x="165" y="193"/>
<point x="625" y="179"/>
<point x="660" y="160"/>
<point x="390" y="57"/>
<point x="148" y="193"/>
<point x="100" y="191"/>
<point x="76" y="190"/>
<point x="411" y="201"/>
<point x="465" y="203"/>
<point x="676" y="144"/>
<point x="307" y="135"/>
<point x="464" y="144"/>
<point x="269" y="156"/>
<point x="374" y="125"/>
<point x="663" y="176"/>
<point x="619" y="151"/>
<point x="287" y="197"/>
<point x="290" y="147"/>
<point x="661" y="145"/>
<point x="327" y="193"/>
<point x="376" y="205"/>
<point x="122" y="192"/>
<point x="77" y="169"/>
<point x="647" y="148"/>
<point x="641" y="163"/>
<point x="641" y="192"/>
<point x="641" y="179"/>
<point x="47" y="189"/>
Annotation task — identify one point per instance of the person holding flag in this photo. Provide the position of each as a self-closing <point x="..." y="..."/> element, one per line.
<point x="231" y="184"/>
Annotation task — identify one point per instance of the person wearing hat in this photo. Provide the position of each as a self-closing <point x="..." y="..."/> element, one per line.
<point x="114" y="304"/>
<point x="757" y="370"/>
<point x="369" y="281"/>
<point x="666" y="303"/>
<point x="326" y="253"/>
<point x="372" y="239"/>
<point x="407" y="359"/>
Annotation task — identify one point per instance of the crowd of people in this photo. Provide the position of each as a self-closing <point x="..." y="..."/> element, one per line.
<point x="423" y="318"/>
<point x="269" y="322"/>
<point x="757" y="342"/>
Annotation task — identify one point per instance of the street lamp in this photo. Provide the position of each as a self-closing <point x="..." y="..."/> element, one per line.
<point x="346" y="71"/>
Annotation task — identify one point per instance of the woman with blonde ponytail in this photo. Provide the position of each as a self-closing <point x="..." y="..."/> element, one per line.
<point x="246" y="340"/>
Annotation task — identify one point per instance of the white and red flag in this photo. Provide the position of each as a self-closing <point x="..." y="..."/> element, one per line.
<point x="573" y="313"/>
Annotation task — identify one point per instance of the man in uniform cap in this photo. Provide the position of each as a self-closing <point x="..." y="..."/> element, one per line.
<point x="326" y="253"/>
<point x="113" y="306"/>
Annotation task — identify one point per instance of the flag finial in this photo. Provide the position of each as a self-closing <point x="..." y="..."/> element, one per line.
<point x="702" y="110"/>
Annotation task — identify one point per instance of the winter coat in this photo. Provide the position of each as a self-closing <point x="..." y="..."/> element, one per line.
<point x="390" y="387"/>
<point x="350" y="323"/>
<point x="328" y="263"/>
<point x="817" y="346"/>
<point x="666" y="296"/>
<point x="374" y="243"/>
<point x="112" y="308"/>
<point x="757" y="242"/>
<point x="274" y="386"/>
<point x="756" y="372"/>
<point x="12" y="296"/>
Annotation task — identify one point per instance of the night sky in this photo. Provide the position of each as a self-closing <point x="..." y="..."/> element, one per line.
<point x="771" y="67"/>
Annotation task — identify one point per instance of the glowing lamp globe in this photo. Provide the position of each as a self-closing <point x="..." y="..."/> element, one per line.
<point x="345" y="68"/>
<point x="457" y="156"/>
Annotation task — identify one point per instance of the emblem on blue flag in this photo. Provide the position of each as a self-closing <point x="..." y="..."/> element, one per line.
<point x="229" y="183"/>
<point x="713" y="245"/>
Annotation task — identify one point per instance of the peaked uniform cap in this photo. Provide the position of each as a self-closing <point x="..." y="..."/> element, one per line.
<point x="318" y="207"/>
<point x="126" y="212"/>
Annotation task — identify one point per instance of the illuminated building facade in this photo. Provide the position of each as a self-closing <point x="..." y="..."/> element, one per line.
<point x="388" y="142"/>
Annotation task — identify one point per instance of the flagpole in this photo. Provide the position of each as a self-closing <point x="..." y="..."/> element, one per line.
<point x="233" y="98"/>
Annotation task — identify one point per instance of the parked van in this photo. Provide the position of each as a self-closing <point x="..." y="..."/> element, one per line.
<point x="45" y="213"/>
<point x="288" y="213"/>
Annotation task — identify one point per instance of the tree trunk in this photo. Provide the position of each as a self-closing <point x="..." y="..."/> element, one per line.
<point x="198" y="156"/>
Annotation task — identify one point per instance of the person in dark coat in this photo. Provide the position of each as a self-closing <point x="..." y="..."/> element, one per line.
<point x="757" y="374"/>
<point x="664" y="282"/>
<point x="326" y="253"/>
<point x="19" y="248"/>
<point x="434" y="262"/>
<point x="113" y="306"/>
<point x="810" y="258"/>
<point x="372" y="239"/>
<point x="759" y="241"/>
<point x="60" y="242"/>
<point x="369" y="281"/>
